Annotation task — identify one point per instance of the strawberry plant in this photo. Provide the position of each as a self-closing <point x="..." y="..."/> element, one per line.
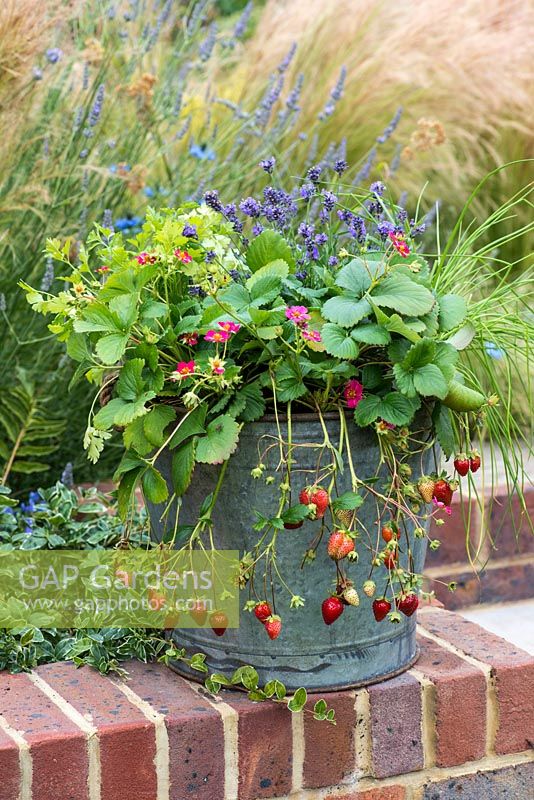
<point x="320" y="302"/>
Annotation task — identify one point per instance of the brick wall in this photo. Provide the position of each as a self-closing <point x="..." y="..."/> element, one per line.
<point x="460" y="725"/>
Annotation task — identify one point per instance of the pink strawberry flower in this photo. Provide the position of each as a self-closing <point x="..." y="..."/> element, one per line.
<point x="311" y="336"/>
<point x="399" y="243"/>
<point x="189" y="338"/>
<point x="217" y="365"/>
<point x="353" y="393"/>
<point x="440" y="504"/>
<point x="145" y="258"/>
<point x="103" y="269"/>
<point x="229" y="327"/>
<point x="217" y="336"/>
<point x="183" y="369"/>
<point x="298" y="314"/>
<point x="183" y="256"/>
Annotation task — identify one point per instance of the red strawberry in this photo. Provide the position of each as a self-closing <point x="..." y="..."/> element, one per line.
<point x="156" y="600"/>
<point x="474" y="461"/>
<point x="262" y="610"/>
<point x="381" y="608"/>
<point x="442" y="492"/>
<point x="292" y="526"/>
<point x="461" y="464"/>
<point x="389" y="530"/>
<point x="273" y="626"/>
<point x="390" y="560"/>
<point x="199" y="612"/>
<point x="408" y="604"/>
<point x="340" y="544"/>
<point x="332" y="608"/>
<point x="219" y="622"/>
<point x="319" y="497"/>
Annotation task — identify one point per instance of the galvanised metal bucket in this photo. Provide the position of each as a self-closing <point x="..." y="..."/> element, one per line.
<point x="355" y="650"/>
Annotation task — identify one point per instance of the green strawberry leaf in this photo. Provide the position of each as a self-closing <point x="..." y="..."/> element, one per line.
<point x="338" y="342"/>
<point x="393" y="408"/>
<point x="130" y="384"/>
<point x="346" y="311"/>
<point x="371" y="333"/>
<point x="156" y="422"/>
<point x="110" y="349"/>
<point x="183" y="464"/>
<point x="219" y="442"/>
<point x="155" y="488"/>
<point x="442" y="419"/>
<point x="268" y="246"/>
<point x="404" y="295"/>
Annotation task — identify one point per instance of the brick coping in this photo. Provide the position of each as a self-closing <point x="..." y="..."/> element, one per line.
<point x="465" y="709"/>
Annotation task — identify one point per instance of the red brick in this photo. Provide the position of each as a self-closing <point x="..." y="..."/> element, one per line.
<point x="497" y="583"/>
<point x="380" y="793"/>
<point x="329" y="756"/>
<point x="127" y="738"/>
<point x="513" y="669"/>
<point x="58" y="747"/>
<point x="265" y="748"/>
<point x="511" y="525"/>
<point x="9" y="768"/>
<point x="460" y="691"/>
<point x="452" y="535"/>
<point x="396" y="744"/>
<point x="195" y="730"/>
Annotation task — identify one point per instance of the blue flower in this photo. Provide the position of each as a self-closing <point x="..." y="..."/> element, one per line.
<point x="148" y="191"/>
<point x="493" y="351"/>
<point x="127" y="222"/>
<point x="250" y="207"/>
<point x="53" y="54"/>
<point x="268" y="164"/>
<point x="340" y="166"/>
<point x="190" y="231"/>
<point x="202" y="152"/>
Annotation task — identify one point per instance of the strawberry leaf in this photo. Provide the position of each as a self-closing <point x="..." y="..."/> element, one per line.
<point x="219" y="442"/>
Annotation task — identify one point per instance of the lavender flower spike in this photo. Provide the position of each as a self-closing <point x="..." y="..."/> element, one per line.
<point x="94" y="114"/>
<point x="389" y="129"/>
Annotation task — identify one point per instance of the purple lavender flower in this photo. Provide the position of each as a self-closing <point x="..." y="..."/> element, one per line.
<point x="229" y="212"/>
<point x="268" y="164"/>
<point x="84" y="153"/>
<point x="306" y="231"/>
<point x="340" y="166"/>
<point x="250" y="207"/>
<point x="37" y="74"/>
<point x="190" y="231"/>
<point x="211" y="198"/>
<point x="48" y="277"/>
<point x="333" y="261"/>
<point x="242" y="23"/>
<point x="321" y="239"/>
<point x="294" y="95"/>
<point x="301" y="274"/>
<point x="335" y="95"/>
<point x="363" y="174"/>
<point x="257" y="228"/>
<point x="67" y="476"/>
<point x="329" y="200"/>
<point x="53" y="54"/>
<point x="377" y="188"/>
<point x="196" y="291"/>
<point x="284" y="64"/>
<point x="206" y="47"/>
<point x="107" y="221"/>
<point x="94" y="114"/>
<point x="314" y="173"/>
<point x="390" y="128"/>
<point x="402" y="215"/>
<point x="210" y="256"/>
<point x="384" y="228"/>
<point x="307" y="191"/>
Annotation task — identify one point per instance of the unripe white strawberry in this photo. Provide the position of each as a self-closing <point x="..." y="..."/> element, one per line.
<point x="369" y="588"/>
